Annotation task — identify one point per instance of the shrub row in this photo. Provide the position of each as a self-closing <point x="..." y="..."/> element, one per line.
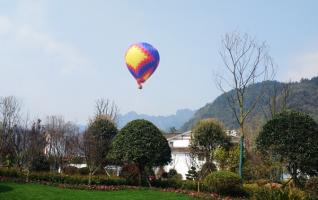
<point x="256" y="192"/>
<point x="222" y="182"/>
<point x="61" y="178"/>
<point x="179" y="184"/>
<point x="102" y="180"/>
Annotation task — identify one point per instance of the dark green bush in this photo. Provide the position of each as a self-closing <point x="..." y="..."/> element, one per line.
<point x="12" y="172"/>
<point x="61" y="178"/>
<point x="83" y="171"/>
<point x="113" y="181"/>
<point x="170" y="183"/>
<point x="189" y="185"/>
<point x="193" y="185"/>
<point x="251" y="188"/>
<point x="256" y="192"/>
<point x="178" y="184"/>
<point x="173" y="174"/>
<point x="40" y="163"/>
<point x="312" y="185"/>
<point x="224" y="182"/>
<point x="269" y="194"/>
<point x="131" y="173"/>
<point x="206" y="169"/>
<point x="70" y="170"/>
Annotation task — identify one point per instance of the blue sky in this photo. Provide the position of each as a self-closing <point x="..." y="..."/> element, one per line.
<point x="59" y="56"/>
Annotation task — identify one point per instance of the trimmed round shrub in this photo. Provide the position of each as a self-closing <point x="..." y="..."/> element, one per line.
<point x="206" y="169"/>
<point x="224" y="182"/>
<point x="173" y="174"/>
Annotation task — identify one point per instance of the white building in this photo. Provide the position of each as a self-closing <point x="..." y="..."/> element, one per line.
<point x="180" y="152"/>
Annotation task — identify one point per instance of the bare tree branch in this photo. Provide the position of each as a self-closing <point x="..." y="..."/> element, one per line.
<point x="246" y="62"/>
<point x="107" y="108"/>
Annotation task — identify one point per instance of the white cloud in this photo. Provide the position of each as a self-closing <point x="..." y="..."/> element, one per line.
<point x="24" y="31"/>
<point x="5" y="25"/>
<point x="69" y="57"/>
<point x="304" y="66"/>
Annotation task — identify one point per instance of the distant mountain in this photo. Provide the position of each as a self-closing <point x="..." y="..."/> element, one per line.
<point x="164" y="123"/>
<point x="303" y="97"/>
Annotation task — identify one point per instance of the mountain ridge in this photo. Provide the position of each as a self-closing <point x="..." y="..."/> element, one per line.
<point x="303" y="97"/>
<point x="164" y="123"/>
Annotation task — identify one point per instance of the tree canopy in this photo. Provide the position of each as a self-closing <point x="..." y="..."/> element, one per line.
<point x="291" y="137"/>
<point x="97" y="142"/>
<point x="207" y="135"/>
<point x="142" y="143"/>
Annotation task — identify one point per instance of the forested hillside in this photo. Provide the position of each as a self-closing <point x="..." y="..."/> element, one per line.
<point x="303" y="96"/>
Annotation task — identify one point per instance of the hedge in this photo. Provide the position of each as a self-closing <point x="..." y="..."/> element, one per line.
<point x="61" y="178"/>
<point x="224" y="182"/>
<point x="256" y="192"/>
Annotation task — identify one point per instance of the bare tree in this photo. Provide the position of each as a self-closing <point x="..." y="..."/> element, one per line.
<point x="91" y="153"/>
<point x="35" y="143"/>
<point x="276" y="97"/>
<point x="20" y="142"/>
<point x="62" y="141"/>
<point x="246" y="62"/>
<point x="107" y="108"/>
<point x="9" y="112"/>
<point x="72" y="144"/>
<point x="9" y="117"/>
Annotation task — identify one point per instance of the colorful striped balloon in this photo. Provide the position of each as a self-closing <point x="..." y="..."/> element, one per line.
<point x="142" y="60"/>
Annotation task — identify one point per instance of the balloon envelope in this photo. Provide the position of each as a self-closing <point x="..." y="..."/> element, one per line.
<point x="142" y="60"/>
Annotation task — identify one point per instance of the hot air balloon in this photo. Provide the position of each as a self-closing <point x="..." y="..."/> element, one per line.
<point x="142" y="60"/>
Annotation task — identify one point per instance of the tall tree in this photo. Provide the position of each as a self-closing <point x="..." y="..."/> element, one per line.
<point x="140" y="142"/>
<point x="61" y="139"/>
<point x="10" y="118"/>
<point x="246" y="62"/>
<point x="291" y="137"/>
<point x="207" y="135"/>
<point x="97" y="141"/>
<point x="227" y="159"/>
<point x="35" y="145"/>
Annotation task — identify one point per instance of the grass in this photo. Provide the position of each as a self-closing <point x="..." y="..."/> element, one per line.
<point x="14" y="191"/>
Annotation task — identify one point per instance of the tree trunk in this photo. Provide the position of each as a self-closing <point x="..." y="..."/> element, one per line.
<point x="27" y="175"/>
<point x="198" y="185"/>
<point x="89" y="177"/>
<point x="139" y="175"/>
<point x="241" y="151"/>
<point x="149" y="184"/>
<point x="293" y="172"/>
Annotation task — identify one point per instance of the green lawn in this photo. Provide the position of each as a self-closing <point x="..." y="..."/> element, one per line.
<point x="13" y="191"/>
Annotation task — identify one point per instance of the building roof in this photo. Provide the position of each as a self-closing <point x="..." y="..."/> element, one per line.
<point x="187" y="136"/>
<point x="180" y="136"/>
<point x="170" y="135"/>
